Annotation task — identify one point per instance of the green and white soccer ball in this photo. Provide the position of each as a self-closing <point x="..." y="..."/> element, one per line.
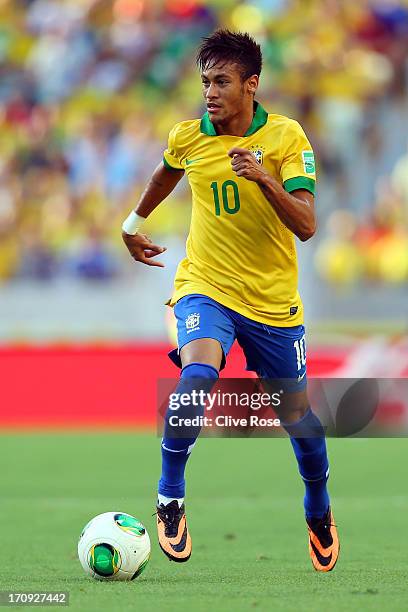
<point x="114" y="546"/>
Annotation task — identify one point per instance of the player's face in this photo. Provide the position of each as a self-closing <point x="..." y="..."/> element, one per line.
<point x="225" y="93"/>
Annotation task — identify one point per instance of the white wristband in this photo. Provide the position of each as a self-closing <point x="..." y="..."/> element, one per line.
<point x="133" y="223"/>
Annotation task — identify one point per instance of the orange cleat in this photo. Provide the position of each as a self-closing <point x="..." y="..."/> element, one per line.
<point x="174" y="538"/>
<point x="324" y="545"/>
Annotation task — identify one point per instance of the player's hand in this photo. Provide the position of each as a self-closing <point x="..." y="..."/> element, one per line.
<point x="244" y="164"/>
<point x="142" y="249"/>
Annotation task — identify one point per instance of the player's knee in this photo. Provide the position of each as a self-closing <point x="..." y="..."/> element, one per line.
<point x="292" y="415"/>
<point x="293" y="407"/>
<point x="203" y="350"/>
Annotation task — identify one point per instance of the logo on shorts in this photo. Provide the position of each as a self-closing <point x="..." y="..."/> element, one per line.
<point x="193" y="322"/>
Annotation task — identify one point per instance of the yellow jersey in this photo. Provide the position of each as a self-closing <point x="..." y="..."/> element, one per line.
<point x="238" y="252"/>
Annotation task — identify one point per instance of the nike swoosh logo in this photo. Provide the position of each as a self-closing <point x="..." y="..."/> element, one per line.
<point x="324" y="561"/>
<point x="301" y="377"/>
<point x="192" y="161"/>
<point x="182" y="543"/>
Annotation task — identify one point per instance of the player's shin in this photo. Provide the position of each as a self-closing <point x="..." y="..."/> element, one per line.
<point x="309" y="444"/>
<point x="179" y="437"/>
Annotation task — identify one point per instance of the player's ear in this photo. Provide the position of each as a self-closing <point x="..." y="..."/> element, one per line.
<point x="252" y="84"/>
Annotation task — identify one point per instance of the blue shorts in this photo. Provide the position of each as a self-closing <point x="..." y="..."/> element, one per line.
<point x="271" y="352"/>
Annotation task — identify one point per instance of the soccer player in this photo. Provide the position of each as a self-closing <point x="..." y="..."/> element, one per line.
<point x="252" y="177"/>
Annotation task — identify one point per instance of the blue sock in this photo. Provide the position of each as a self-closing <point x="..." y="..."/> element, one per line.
<point x="309" y="445"/>
<point x="176" y="450"/>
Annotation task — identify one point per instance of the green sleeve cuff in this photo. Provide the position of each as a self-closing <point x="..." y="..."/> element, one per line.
<point x="300" y="182"/>
<point x="166" y="163"/>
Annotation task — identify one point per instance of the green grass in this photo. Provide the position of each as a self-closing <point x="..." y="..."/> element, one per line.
<point x="245" y="516"/>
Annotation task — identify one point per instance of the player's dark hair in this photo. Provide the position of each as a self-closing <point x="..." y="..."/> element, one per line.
<point x="226" y="46"/>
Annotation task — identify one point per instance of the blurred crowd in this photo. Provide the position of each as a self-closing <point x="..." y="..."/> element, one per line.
<point x="90" y="88"/>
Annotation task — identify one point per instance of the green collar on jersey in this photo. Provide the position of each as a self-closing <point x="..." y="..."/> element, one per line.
<point x="259" y="120"/>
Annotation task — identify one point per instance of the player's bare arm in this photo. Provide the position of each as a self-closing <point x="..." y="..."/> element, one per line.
<point x="295" y="210"/>
<point x="161" y="184"/>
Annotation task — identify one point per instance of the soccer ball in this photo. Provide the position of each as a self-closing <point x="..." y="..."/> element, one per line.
<point x="114" y="546"/>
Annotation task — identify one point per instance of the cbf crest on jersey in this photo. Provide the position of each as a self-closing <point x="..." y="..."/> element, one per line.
<point x="258" y="151"/>
<point x="193" y="322"/>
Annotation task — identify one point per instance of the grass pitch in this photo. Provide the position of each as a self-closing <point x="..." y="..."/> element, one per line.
<point x="244" y="504"/>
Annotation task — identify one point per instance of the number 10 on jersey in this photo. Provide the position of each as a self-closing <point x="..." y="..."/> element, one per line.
<point x="229" y="194"/>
